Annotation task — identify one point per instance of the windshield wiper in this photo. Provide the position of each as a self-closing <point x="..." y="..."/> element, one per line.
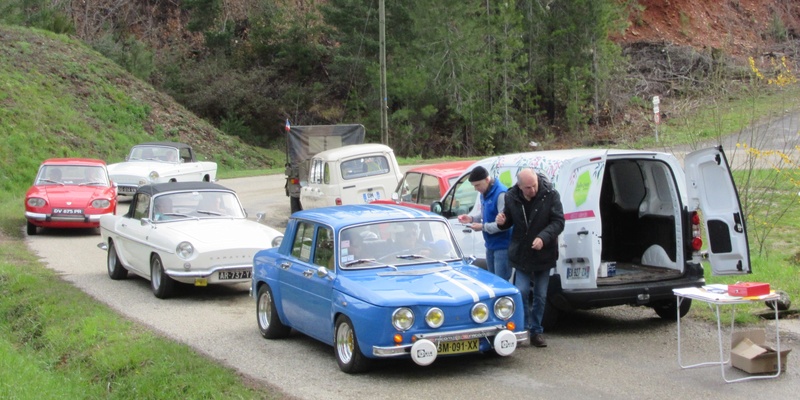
<point x="417" y="257"/>
<point x="209" y="212"/>
<point x="367" y="260"/>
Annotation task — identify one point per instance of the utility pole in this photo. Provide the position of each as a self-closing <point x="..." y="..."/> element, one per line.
<point x="384" y="95"/>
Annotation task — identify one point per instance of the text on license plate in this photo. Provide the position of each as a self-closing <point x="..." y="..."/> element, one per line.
<point x="369" y="197"/>
<point x="578" y="272"/>
<point x="68" y="211"/>
<point x="126" y="189"/>
<point x="236" y="274"/>
<point x="460" y="346"/>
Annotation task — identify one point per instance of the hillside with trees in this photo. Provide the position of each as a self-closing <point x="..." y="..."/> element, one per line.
<point x="463" y="78"/>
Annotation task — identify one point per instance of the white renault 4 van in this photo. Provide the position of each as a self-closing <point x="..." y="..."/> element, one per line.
<point x="638" y="209"/>
<point x="355" y="174"/>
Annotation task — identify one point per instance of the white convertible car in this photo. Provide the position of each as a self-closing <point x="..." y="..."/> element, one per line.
<point x="190" y="232"/>
<point x="158" y="162"/>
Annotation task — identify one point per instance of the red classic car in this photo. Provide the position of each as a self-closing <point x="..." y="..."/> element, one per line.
<point x="69" y="193"/>
<point x="422" y="186"/>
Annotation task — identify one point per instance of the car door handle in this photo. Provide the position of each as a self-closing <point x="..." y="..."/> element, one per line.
<point x="583" y="232"/>
<point x="467" y="230"/>
<point x="286" y="265"/>
<point x="308" y="273"/>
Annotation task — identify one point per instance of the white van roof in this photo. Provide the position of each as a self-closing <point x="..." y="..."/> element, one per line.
<point x="353" y="150"/>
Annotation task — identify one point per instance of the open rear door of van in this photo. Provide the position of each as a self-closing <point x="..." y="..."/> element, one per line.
<point x="710" y="186"/>
<point x="579" y="183"/>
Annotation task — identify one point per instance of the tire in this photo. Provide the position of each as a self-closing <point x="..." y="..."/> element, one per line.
<point x="345" y="344"/>
<point x="115" y="269"/>
<point x="551" y="316"/>
<point x="294" y="204"/>
<point x="668" y="309"/>
<point x="160" y="282"/>
<point x="31" y="229"/>
<point x="269" y="324"/>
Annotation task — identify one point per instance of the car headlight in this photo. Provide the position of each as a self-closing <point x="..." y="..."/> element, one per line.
<point x="434" y="317"/>
<point x="277" y="241"/>
<point x="184" y="250"/>
<point x="402" y="318"/>
<point x="504" y="308"/>
<point x="101" y="203"/>
<point x="153" y="175"/>
<point x="143" y="182"/>
<point x="480" y="313"/>
<point x="36" y="202"/>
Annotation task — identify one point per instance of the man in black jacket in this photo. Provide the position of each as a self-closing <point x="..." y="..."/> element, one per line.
<point x="534" y="209"/>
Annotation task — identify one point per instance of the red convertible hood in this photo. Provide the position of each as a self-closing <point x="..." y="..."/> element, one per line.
<point x="78" y="196"/>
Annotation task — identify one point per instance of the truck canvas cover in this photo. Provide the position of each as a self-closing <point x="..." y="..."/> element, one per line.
<point x="304" y="141"/>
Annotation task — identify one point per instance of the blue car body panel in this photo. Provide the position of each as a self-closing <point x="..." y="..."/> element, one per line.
<point x="310" y="302"/>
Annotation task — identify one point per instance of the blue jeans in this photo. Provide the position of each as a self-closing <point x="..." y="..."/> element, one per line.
<point x="533" y="304"/>
<point x="497" y="263"/>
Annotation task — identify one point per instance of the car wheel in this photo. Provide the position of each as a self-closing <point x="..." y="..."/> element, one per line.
<point x="269" y="323"/>
<point x="348" y="354"/>
<point x="31" y="229"/>
<point x="551" y="316"/>
<point x="294" y="203"/>
<point x="161" y="283"/>
<point x="668" y="309"/>
<point x="115" y="269"/>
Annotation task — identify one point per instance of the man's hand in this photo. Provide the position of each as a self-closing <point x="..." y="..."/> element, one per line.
<point x="501" y="219"/>
<point x="476" y="226"/>
<point x="464" y="219"/>
<point x="537" y="244"/>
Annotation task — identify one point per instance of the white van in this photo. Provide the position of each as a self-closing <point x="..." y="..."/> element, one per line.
<point x="355" y="174"/>
<point x="637" y="209"/>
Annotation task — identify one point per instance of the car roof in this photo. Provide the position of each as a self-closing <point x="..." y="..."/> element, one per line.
<point x="445" y="169"/>
<point x="179" y="186"/>
<point x="167" y="144"/>
<point x="343" y="216"/>
<point x="353" y="150"/>
<point x="73" y="161"/>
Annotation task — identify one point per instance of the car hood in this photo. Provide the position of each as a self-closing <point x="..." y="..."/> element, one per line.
<point x="431" y="284"/>
<point x="77" y="196"/>
<point x="221" y="232"/>
<point x="138" y="168"/>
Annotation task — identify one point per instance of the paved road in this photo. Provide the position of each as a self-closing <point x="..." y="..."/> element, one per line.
<point x="617" y="353"/>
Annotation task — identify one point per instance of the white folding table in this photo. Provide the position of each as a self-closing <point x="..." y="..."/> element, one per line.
<point x="714" y="301"/>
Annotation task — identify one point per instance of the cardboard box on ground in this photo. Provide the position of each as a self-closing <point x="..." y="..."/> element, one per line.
<point x="750" y="353"/>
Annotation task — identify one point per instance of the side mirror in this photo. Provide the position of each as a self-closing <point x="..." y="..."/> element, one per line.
<point x="322" y="272"/>
<point x="395" y="197"/>
<point x="145" y="221"/>
<point x="436" y="207"/>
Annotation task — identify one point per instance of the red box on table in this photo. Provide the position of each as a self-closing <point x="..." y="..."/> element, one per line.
<point x="747" y="289"/>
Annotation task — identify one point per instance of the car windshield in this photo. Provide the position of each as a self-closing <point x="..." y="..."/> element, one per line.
<point x="396" y="243"/>
<point x="72" y="175"/>
<point x="154" y="153"/>
<point x="173" y="206"/>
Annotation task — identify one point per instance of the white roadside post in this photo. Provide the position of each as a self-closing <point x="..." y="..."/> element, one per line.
<point x="656" y="114"/>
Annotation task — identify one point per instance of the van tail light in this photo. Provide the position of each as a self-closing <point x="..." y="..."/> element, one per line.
<point x="338" y="201"/>
<point x="697" y="241"/>
<point x="294" y="181"/>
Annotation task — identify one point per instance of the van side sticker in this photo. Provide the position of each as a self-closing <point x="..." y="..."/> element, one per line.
<point x="582" y="186"/>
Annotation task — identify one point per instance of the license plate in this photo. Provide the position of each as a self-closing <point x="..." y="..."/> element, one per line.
<point x="578" y="272"/>
<point x="369" y="197"/>
<point x="460" y="346"/>
<point x="68" y="211"/>
<point x="126" y="189"/>
<point x="236" y="274"/>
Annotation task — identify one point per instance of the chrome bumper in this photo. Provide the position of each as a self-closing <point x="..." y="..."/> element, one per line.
<point x="63" y="218"/>
<point x="436" y="337"/>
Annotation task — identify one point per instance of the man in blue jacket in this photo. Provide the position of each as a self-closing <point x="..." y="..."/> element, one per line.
<point x="482" y="217"/>
<point x="534" y="209"/>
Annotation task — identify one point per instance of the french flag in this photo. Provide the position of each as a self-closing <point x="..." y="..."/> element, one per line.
<point x="288" y="126"/>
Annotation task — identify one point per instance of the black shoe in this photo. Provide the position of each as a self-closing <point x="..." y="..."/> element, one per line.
<point x="537" y="340"/>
